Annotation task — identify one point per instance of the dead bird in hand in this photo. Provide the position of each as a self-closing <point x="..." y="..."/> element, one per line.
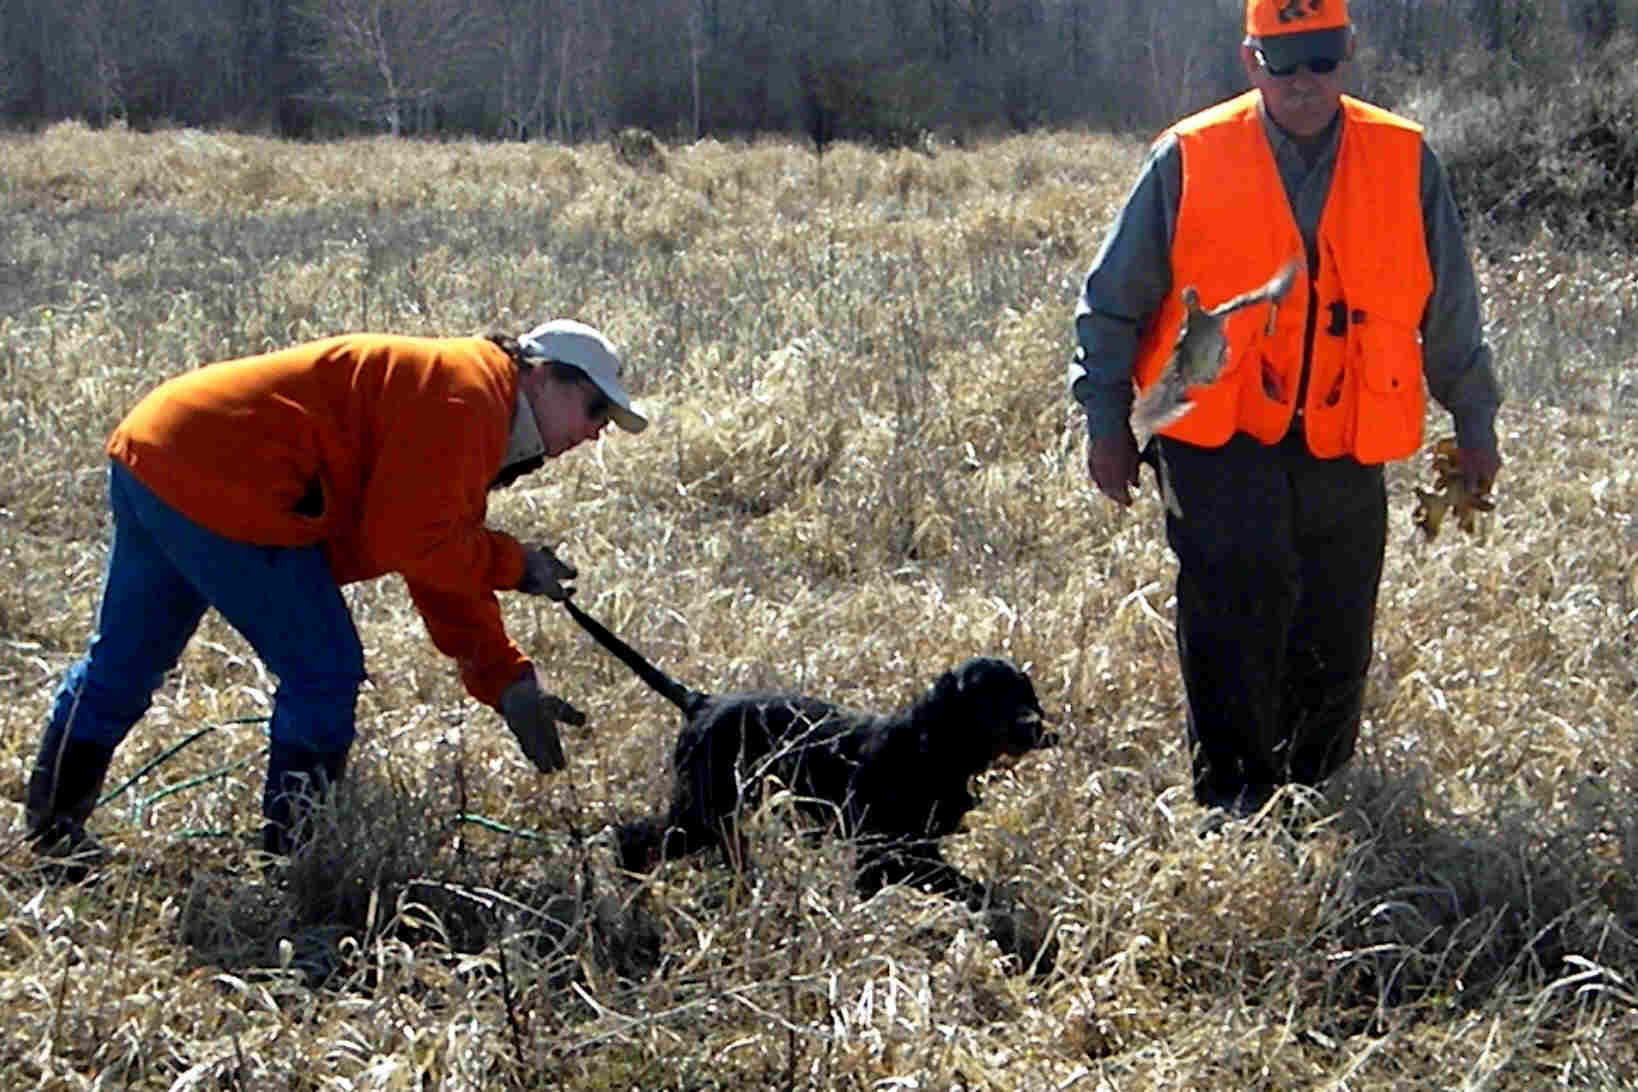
<point x="1200" y="352"/>
<point x="1449" y="495"/>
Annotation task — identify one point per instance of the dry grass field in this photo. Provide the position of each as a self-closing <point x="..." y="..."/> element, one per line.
<point x="864" y="468"/>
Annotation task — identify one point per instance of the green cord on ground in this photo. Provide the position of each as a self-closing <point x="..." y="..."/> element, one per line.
<point x="498" y="827"/>
<point x="168" y="753"/>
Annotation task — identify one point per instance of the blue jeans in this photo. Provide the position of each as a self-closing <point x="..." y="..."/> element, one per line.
<point x="163" y="571"/>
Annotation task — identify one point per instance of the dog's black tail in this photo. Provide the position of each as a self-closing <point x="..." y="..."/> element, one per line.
<point x="675" y="692"/>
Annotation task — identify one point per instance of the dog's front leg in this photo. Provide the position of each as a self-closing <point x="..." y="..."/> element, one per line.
<point x="1017" y="929"/>
<point x="914" y="864"/>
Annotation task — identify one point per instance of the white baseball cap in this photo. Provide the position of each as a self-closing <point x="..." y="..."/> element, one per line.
<point x="569" y="342"/>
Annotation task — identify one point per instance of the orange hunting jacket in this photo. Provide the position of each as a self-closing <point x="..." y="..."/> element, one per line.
<point x="1234" y="229"/>
<point x="401" y="435"/>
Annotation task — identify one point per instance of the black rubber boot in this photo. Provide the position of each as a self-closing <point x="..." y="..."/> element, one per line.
<point x="296" y="779"/>
<point x="62" y="791"/>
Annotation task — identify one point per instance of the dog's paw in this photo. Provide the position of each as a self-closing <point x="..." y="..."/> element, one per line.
<point x="1024" y="936"/>
<point x="606" y="844"/>
<point x="638" y="845"/>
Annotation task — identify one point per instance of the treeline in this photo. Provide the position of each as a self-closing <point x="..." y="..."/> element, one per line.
<point x="879" y="70"/>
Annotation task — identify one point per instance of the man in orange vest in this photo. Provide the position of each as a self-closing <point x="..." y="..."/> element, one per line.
<point x="1276" y="508"/>
<point x="258" y="486"/>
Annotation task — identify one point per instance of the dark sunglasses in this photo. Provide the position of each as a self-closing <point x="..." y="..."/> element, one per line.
<point x="1319" y="66"/>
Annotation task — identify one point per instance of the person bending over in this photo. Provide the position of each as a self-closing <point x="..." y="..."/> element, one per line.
<point x="259" y="486"/>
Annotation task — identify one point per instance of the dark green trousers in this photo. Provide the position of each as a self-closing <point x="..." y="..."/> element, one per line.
<point x="1280" y="556"/>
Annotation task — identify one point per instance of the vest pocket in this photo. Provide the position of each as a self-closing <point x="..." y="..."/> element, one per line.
<point x="1265" y="401"/>
<point x="1387" y="358"/>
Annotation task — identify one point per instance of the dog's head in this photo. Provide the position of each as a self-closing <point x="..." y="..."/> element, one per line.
<point x="997" y="702"/>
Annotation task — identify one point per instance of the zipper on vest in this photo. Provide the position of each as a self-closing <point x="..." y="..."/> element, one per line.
<point x="1309" y="320"/>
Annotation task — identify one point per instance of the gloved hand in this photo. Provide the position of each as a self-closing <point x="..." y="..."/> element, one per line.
<point x="1112" y="461"/>
<point x="544" y="574"/>
<point x="1479" y="469"/>
<point x="533" y="715"/>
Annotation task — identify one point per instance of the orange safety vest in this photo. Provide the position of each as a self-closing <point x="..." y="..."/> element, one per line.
<point x="1235" y="229"/>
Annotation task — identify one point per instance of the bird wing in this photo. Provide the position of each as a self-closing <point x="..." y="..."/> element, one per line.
<point x="1273" y="290"/>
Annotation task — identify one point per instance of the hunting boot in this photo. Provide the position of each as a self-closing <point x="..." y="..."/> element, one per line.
<point x="296" y="781"/>
<point x="62" y="790"/>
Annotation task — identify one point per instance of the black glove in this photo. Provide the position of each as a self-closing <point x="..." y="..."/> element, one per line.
<point x="533" y="715"/>
<point x="545" y="574"/>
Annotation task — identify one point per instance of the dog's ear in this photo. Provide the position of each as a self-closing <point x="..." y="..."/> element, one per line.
<point x="943" y="718"/>
<point x="948" y="686"/>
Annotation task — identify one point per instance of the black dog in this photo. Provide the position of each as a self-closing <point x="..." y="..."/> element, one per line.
<point x="893" y="784"/>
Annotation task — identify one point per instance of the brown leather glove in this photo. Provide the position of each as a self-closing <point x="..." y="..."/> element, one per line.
<point x="545" y="574"/>
<point x="533" y="716"/>
<point x="1112" y="461"/>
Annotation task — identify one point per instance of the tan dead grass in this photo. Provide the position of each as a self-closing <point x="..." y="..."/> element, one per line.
<point x="863" y="469"/>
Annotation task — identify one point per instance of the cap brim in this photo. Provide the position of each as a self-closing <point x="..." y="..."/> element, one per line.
<point x="1285" y="50"/>
<point x="621" y="411"/>
<point x="627" y="418"/>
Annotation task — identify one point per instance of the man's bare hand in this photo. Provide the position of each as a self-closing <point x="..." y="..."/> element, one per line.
<point x="1112" y="461"/>
<point x="1479" y="469"/>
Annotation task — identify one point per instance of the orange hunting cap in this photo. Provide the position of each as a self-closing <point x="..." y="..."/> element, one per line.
<point x="1292" y="32"/>
<point x="1269" y="18"/>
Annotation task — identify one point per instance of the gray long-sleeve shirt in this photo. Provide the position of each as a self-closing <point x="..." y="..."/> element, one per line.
<point x="1132" y="276"/>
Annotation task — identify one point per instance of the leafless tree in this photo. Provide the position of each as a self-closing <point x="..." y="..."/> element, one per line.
<point x="392" y="57"/>
<point x="554" y="58"/>
<point x="849" y="69"/>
